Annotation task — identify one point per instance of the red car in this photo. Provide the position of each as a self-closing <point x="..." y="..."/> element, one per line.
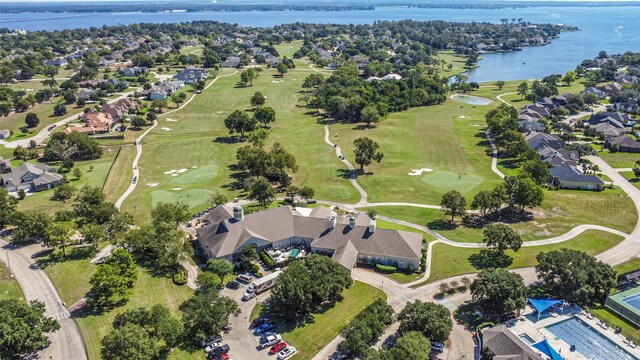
<point x="278" y="347"/>
<point x="260" y="321"/>
<point x="222" y="357"/>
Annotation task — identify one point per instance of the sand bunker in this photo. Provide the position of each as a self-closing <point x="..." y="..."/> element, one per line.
<point x="182" y="170"/>
<point x="170" y="172"/>
<point x="219" y="112"/>
<point x="194" y="167"/>
<point x="153" y="184"/>
<point x="171" y="120"/>
<point x="277" y="81"/>
<point x="166" y="128"/>
<point x="175" y="174"/>
<point x="463" y="117"/>
<point x="177" y="188"/>
<point x="476" y="125"/>
<point x="419" y="171"/>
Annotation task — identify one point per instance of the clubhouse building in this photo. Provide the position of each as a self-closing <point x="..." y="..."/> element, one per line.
<point x="348" y="239"/>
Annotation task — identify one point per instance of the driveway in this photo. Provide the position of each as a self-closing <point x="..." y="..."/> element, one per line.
<point x="66" y="343"/>
<point x="240" y="338"/>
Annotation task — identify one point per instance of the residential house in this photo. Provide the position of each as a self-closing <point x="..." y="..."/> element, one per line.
<point x="610" y="88"/>
<point x="120" y="109"/>
<point x="539" y="140"/>
<point x="232" y="61"/>
<point x="85" y="94"/>
<point x="627" y="79"/>
<point x="134" y="71"/>
<point x="347" y="239"/>
<point x="28" y="177"/>
<point x="623" y="143"/>
<point x="505" y="345"/>
<point x="94" y="123"/>
<point x="529" y="125"/>
<point x="569" y="177"/>
<point x="611" y="124"/>
<point x="104" y="63"/>
<point x="56" y="62"/>
<point x="595" y="91"/>
<point x="191" y="75"/>
<point x="162" y="90"/>
<point x="392" y="77"/>
<point x="558" y="157"/>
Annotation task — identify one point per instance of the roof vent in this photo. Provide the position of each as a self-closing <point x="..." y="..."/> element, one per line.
<point x="352" y="221"/>
<point x="372" y="226"/>
<point x="238" y="213"/>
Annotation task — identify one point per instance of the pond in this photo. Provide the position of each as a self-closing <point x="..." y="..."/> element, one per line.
<point x="472" y="100"/>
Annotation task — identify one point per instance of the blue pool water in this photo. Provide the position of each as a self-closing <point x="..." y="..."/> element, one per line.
<point x="473" y="100"/>
<point x="588" y="342"/>
<point x="633" y="300"/>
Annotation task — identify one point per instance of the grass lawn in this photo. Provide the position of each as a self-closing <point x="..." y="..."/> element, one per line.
<point x="324" y="326"/>
<point x="611" y="319"/>
<point x="42" y="200"/>
<point x="447" y="138"/>
<point x="560" y="212"/>
<point x="199" y="143"/>
<point x="629" y="175"/>
<point x="121" y="173"/>
<point x="255" y="312"/>
<point x="619" y="159"/>
<point x="449" y="261"/>
<point x="44" y="111"/>
<point x="9" y="287"/>
<point x="449" y="57"/>
<point x="630" y="265"/>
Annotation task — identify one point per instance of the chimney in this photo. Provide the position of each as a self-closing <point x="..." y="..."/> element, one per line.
<point x="352" y="221"/>
<point x="372" y="226"/>
<point x="238" y="213"/>
<point x="332" y="220"/>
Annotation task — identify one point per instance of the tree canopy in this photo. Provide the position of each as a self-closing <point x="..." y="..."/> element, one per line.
<point x="501" y="237"/>
<point x="365" y="327"/>
<point x="498" y="292"/>
<point x="113" y="281"/>
<point x="453" y="203"/>
<point x="23" y="327"/>
<point x="366" y="151"/>
<point x="206" y="313"/>
<point x="430" y="319"/>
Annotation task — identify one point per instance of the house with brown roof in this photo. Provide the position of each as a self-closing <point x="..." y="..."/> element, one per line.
<point x="94" y="123"/>
<point x="505" y="345"/>
<point x="622" y="143"/>
<point x="120" y="109"/>
<point x="28" y="176"/>
<point x="348" y="239"/>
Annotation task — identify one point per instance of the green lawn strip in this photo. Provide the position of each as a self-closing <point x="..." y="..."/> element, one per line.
<point x="560" y="212"/>
<point x="447" y="138"/>
<point x="42" y="200"/>
<point x="147" y="291"/>
<point x="120" y="174"/>
<point x="611" y="319"/>
<point x="619" y="159"/>
<point x="288" y="48"/>
<point x="323" y="327"/>
<point x="448" y="261"/>
<point x="198" y="138"/>
<point x="629" y="175"/>
<point x="449" y="57"/>
<point x="44" y="111"/>
<point x="9" y="287"/>
<point x="70" y="275"/>
<point x="630" y="265"/>
<point x="255" y="312"/>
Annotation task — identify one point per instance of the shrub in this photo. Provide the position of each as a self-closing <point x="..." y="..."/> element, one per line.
<point x="410" y="269"/>
<point x="255" y="269"/>
<point x="423" y="267"/>
<point x="267" y="260"/>
<point x="386" y="268"/>
<point x="179" y="277"/>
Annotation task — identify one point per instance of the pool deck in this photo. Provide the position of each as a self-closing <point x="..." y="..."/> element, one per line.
<point x="538" y="332"/>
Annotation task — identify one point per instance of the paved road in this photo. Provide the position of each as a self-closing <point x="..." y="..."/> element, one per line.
<point x="45" y="132"/>
<point x="243" y="344"/>
<point x="66" y="343"/>
<point x="136" y="170"/>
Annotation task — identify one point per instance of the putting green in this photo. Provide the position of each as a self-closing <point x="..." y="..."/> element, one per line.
<point x="205" y="173"/>
<point x="448" y="180"/>
<point x="192" y="197"/>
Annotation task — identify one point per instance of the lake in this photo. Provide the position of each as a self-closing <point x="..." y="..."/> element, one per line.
<point x="614" y="29"/>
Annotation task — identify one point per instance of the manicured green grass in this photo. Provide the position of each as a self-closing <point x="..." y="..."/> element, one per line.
<point x="199" y="138"/>
<point x="44" y="111"/>
<point x="619" y="159"/>
<point x="42" y="200"/>
<point x="403" y="278"/>
<point x="611" y="319"/>
<point x="447" y="138"/>
<point x="9" y="287"/>
<point x="70" y="275"/>
<point x="560" y="212"/>
<point x="630" y="265"/>
<point x="288" y="48"/>
<point x="255" y="312"/>
<point x="458" y="62"/>
<point x="323" y="327"/>
<point x="450" y="261"/>
<point x="120" y="174"/>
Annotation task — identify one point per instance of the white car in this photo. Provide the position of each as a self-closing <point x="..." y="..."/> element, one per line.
<point x="270" y="340"/>
<point x="212" y="346"/>
<point x="288" y="352"/>
<point x="249" y="294"/>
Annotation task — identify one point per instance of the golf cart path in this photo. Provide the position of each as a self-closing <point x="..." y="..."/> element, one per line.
<point x="352" y="171"/>
<point x="136" y="169"/>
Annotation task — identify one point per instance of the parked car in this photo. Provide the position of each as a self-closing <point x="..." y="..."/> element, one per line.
<point x="437" y="346"/>
<point x="233" y="285"/>
<point x="288" y="352"/>
<point x="267" y="341"/>
<point x="249" y="294"/>
<point x="210" y="339"/>
<point x="277" y="347"/>
<point x="264" y="328"/>
<point x="212" y="345"/>
<point x="52" y="127"/>
<point x="244" y="278"/>
<point x="221" y="357"/>
<point x="218" y="350"/>
<point x="259" y="321"/>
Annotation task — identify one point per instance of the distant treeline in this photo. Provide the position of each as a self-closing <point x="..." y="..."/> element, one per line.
<point x="166" y="7"/>
<point x="304" y="5"/>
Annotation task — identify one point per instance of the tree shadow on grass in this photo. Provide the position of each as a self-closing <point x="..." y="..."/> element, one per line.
<point x="226" y="139"/>
<point x="49" y="257"/>
<point x="486" y="259"/>
<point x="474" y="221"/>
<point x="442" y="224"/>
<point x="466" y="316"/>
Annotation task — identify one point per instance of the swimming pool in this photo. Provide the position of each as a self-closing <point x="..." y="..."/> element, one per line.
<point x="472" y="100"/>
<point x="633" y="300"/>
<point x="587" y="341"/>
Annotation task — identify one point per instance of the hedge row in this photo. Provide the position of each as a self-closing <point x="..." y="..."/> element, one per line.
<point x="267" y="260"/>
<point x="179" y="277"/>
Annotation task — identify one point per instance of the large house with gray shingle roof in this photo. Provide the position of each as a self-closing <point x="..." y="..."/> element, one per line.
<point x="28" y="177"/>
<point x="347" y="239"/>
